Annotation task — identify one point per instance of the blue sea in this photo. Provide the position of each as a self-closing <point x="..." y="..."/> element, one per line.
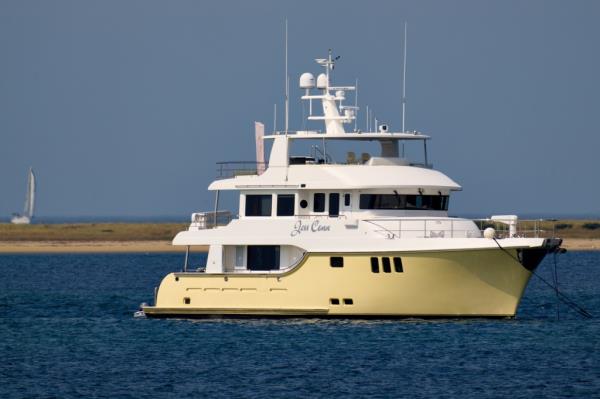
<point x="67" y="330"/>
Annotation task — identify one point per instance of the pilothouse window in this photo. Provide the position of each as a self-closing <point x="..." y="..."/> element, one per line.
<point x="258" y="205"/>
<point x="285" y="204"/>
<point x="398" y="201"/>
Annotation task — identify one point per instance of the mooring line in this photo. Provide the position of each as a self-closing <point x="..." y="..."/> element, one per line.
<point x="565" y="299"/>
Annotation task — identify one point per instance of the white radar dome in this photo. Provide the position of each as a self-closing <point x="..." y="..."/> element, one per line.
<point x="322" y="81"/>
<point x="307" y="81"/>
<point x="489" y="233"/>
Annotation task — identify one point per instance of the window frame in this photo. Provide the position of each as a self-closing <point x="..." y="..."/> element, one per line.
<point x="248" y="197"/>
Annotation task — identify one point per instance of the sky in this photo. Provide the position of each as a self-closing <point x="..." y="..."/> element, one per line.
<point x="124" y="107"/>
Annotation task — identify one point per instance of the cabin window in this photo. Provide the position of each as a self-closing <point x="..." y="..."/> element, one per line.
<point x="375" y="265"/>
<point x="285" y="204"/>
<point x="336" y="261"/>
<point x="334" y="204"/>
<point x="319" y="202"/>
<point x="385" y="262"/>
<point x="398" y="265"/>
<point x="258" y="205"/>
<point x="346" y="199"/>
<point x="263" y="257"/>
<point x="348" y="301"/>
<point x="400" y="201"/>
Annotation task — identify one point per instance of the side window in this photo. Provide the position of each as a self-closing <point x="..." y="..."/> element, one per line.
<point x="336" y="261"/>
<point x="258" y="205"/>
<point x="319" y="202"/>
<point x="334" y="204"/>
<point x="375" y="265"/>
<point x="285" y="204"/>
<point x="346" y="199"/>
<point x="385" y="262"/>
<point x="398" y="265"/>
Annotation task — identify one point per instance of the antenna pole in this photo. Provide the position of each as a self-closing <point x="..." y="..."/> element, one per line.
<point x="404" y="81"/>
<point x="356" y="106"/>
<point x="274" y="118"/>
<point x="287" y="85"/>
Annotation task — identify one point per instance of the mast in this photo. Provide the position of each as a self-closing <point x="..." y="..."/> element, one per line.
<point x="287" y="79"/>
<point x="404" y="82"/>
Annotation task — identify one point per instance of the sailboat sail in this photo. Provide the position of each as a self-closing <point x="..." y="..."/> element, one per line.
<point x="25" y="218"/>
<point x="30" y="202"/>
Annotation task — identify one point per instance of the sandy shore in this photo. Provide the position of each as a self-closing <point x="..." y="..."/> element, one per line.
<point x="571" y="244"/>
<point x="581" y="244"/>
<point x="91" y="247"/>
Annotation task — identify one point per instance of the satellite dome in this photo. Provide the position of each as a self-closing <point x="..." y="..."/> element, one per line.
<point x="307" y="81"/>
<point x="322" y="81"/>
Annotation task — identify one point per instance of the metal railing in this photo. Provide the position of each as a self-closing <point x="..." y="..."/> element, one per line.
<point x="229" y="169"/>
<point x="524" y="228"/>
<point x="210" y="220"/>
<point x="454" y="228"/>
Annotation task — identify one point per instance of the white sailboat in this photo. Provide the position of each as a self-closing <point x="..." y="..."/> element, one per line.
<point x="27" y="215"/>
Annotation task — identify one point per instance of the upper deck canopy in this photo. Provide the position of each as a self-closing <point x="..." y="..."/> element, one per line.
<point x="340" y="177"/>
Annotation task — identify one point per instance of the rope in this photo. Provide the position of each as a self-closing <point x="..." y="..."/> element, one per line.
<point x="565" y="299"/>
<point x="555" y="276"/>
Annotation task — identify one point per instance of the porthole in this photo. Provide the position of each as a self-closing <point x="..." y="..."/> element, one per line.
<point x="303" y="204"/>
<point x="186" y="300"/>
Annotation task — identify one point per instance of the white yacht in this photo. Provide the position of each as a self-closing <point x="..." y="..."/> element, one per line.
<point x="368" y="237"/>
<point x="27" y="215"/>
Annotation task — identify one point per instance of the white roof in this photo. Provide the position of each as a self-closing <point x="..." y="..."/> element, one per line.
<point x="353" y="136"/>
<point x="327" y="177"/>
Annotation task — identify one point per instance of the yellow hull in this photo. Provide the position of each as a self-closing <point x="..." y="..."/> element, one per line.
<point x="443" y="284"/>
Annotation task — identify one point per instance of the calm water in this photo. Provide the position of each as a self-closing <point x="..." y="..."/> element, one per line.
<point x="66" y="330"/>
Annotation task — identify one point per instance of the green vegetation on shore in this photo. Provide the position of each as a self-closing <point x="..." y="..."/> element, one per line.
<point x="166" y="231"/>
<point x="90" y="232"/>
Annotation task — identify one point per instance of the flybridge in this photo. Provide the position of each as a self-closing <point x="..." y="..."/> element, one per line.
<point x="336" y="114"/>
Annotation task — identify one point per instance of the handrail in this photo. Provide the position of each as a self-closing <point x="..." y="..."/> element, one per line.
<point x="227" y="169"/>
<point x="525" y="228"/>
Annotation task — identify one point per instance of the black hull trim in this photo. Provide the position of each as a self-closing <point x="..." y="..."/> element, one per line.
<point x="530" y="258"/>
